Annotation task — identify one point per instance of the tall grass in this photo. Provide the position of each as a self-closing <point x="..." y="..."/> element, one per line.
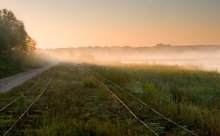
<point x="77" y="105"/>
<point x="191" y="97"/>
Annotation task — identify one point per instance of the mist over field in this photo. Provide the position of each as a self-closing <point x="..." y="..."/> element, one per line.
<point x="194" y="57"/>
<point x="109" y="68"/>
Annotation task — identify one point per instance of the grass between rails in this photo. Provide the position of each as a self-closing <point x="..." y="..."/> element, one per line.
<point x="190" y="97"/>
<point x="24" y="95"/>
<point x="77" y="105"/>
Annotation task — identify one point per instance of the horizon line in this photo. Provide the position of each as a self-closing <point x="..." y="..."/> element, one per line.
<point x="128" y="46"/>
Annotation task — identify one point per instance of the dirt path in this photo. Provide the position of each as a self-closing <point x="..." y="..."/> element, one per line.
<point x="12" y="81"/>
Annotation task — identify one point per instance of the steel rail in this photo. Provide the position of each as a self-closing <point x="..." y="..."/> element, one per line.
<point x="132" y="113"/>
<point x="155" y="111"/>
<point x="20" y="117"/>
<point x="16" y="99"/>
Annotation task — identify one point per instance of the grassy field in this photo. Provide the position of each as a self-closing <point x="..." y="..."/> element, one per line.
<point x="191" y="97"/>
<point x="75" y="104"/>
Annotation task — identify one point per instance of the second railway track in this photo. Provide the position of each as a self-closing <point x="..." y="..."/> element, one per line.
<point x="155" y="122"/>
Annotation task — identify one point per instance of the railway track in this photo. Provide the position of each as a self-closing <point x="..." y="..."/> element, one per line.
<point x="21" y="112"/>
<point x="24" y="111"/>
<point x="155" y="122"/>
<point x="22" y="94"/>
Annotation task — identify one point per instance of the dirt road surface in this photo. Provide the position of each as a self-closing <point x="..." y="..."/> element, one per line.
<point x="13" y="81"/>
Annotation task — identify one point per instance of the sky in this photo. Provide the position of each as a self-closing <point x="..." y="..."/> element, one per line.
<point x="76" y="23"/>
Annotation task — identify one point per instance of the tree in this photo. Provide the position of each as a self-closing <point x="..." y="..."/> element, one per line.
<point x="13" y="37"/>
<point x="16" y="46"/>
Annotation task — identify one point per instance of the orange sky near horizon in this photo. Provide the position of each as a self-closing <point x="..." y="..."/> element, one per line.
<point x="76" y="23"/>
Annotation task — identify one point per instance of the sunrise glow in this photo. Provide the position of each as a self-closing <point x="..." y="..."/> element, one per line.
<point x="76" y="23"/>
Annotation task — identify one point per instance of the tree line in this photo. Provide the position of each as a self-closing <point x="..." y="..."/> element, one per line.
<point x="15" y="44"/>
<point x="13" y="36"/>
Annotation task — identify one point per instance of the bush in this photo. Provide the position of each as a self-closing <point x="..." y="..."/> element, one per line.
<point x="89" y="83"/>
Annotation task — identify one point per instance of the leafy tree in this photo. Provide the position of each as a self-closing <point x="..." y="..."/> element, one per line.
<point x="13" y="36"/>
<point x="16" y="46"/>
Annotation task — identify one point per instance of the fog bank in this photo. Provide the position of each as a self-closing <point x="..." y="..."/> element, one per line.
<point x="199" y="57"/>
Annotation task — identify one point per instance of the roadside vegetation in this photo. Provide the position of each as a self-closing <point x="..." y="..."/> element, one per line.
<point x="17" y="48"/>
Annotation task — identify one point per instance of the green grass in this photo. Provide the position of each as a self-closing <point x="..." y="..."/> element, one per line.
<point x="78" y="105"/>
<point x="191" y="97"/>
<point x="89" y="83"/>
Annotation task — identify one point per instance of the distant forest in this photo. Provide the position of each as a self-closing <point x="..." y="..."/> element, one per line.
<point x="16" y="46"/>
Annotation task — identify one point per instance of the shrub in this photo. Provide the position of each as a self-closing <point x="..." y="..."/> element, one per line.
<point x="89" y="83"/>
